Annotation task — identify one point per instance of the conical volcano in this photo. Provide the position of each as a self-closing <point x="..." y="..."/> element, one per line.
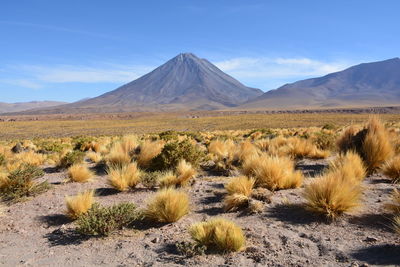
<point x="184" y="82"/>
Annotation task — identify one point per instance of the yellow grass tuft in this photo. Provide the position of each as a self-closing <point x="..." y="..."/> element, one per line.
<point x="168" y="179"/>
<point x="124" y="177"/>
<point x="246" y="150"/>
<point x="273" y="172"/>
<point x="332" y="195"/>
<point x="30" y="158"/>
<point x="376" y="146"/>
<point x="129" y="143"/>
<point x="392" y="169"/>
<point x="220" y="234"/>
<point x="79" y="204"/>
<point x="185" y="172"/>
<point x="79" y="173"/>
<point x="394" y="206"/>
<point x="350" y="164"/>
<point x="167" y="206"/>
<point x="222" y="149"/>
<point x="240" y="185"/>
<point x="94" y="156"/>
<point x="396" y="224"/>
<point x="148" y="151"/>
<point x="118" y="156"/>
<point x="235" y="201"/>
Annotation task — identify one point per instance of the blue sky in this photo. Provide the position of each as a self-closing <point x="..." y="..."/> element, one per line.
<point x="69" y="50"/>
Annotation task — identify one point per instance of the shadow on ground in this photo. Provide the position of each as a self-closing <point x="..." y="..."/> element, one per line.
<point x="294" y="214"/>
<point x="54" y="219"/>
<point x="379" y="255"/>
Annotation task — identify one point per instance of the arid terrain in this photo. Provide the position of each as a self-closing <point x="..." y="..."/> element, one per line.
<point x="278" y="228"/>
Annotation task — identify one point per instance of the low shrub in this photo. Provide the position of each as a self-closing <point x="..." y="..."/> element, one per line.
<point x="79" y="173"/>
<point x="102" y="221"/>
<point x="124" y="177"/>
<point x="190" y="249"/>
<point x="21" y="183"/>
<point x="71" y="158"/>
<point x="173" y="152"/>
<point x="220" y="234"/>
<point x="151" y="179"/>
<point x="79" y="204"/>
<point x="167" y="206"/>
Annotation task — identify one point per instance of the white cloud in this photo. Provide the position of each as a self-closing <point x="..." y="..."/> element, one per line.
<point x="271" y="68"/>
<point x="22" y="83"/>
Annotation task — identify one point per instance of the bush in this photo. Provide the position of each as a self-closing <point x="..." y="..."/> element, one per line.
<point x="167" y="206"/>
<point x="151" y="179"/>
<point x="79" y="204"/>
<point x="124" y="177"/>
<point x="220" y="234"/>
<point x="103" y="221"/>
<point x="392" y="169"/>
<point x="20" y="183"/>
<point x="173" y="152"/>
<point x="273" y="173"/>
<point x="169" y="135"/>
<point x="324" y="141"/>
<point x="2" y="159"/>
<point x="332" y="195"/>
<point x="71" y="158"/>
<point x="190" y="249"/>
<point x="79" y="173"/>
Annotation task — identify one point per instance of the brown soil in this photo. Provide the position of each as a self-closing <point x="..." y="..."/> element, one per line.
<point x="36" y="233"/>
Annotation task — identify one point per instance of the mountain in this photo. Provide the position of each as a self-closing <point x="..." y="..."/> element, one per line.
<point x="184" y="82"/>
<point x="22" y="106"/>
<point x="367" y="84"/>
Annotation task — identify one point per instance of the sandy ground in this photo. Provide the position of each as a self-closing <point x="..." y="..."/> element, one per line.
<point x="36" y="233"/>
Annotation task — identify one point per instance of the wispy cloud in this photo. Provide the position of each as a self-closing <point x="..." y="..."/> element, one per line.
<point x="58" y="29"/>
<point x="272" y="68"/>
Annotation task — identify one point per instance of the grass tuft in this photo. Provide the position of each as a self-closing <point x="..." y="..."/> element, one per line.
<point x="220" y="234"/>
<point x="350" y="164"/>
<point x="167" y="206"/>
<point x="79" y="173"/>
<point x="124" y="177"/>
<point x="79" y="204"/>
<point x="392" y="169"/>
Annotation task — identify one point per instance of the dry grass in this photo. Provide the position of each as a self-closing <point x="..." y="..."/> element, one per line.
<point x="129" y="143"/>
<point x="392" y="169"/>
<point x="148" y="151"/>
<point x="372" y="143"/>
<point x="350" y="164"/>
<point x="302" y="148"/>
<point x="246" y="150"/>
<point x="185" y="172"/>
<point x="79" y="173"/>
<point x="376" y="146"/>
<point x="235" y="201"/>
<point x="30" y="158"/>
<point x="332" y="195"/>
<point x="118" y="156"/>
<point x="79" y="204"/>
<point x="240" y="185"/>
<point x="124" y="177"/>
<point x="167" y="206"/>
<point x="94" y="157"/>
<point x="220" y="234"/>
<point x="396" y="224"/>
<point x="394" y="206"/>
<point x="273" y="173"/>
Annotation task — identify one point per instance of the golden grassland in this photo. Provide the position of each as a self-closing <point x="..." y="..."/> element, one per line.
<point x="258" y="162"/>
<point x="154" y="123"/>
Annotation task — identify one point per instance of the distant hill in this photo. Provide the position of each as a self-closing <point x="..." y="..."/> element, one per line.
<point x="22" y="106"/>
<point x="184" y="82"/>
<point x="367" y="84"/>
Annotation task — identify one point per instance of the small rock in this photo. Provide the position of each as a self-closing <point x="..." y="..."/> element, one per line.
<point x="17" y="148"/>
<point x="370" y="239"/>
<point x="155" y="240"/>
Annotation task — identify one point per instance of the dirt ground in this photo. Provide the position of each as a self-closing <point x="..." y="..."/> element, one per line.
<point x="36" y="233"/>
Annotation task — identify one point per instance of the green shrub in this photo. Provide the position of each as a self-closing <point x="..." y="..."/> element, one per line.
<point x="71" y="158"/>
<point x="329" y="126"/>
<point x="150" y="179"/>
<point x="79" y="141"/>
<point x="173" y="152"/>
<point x="2" y="159"/>
<point x="52" y="146"/>
<point x="169" y="135"/>
<point x="102" y="221"/>
<point x="324" y="141"/>
<point x="190" y="249"/>
<point x="21" y="184"/>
